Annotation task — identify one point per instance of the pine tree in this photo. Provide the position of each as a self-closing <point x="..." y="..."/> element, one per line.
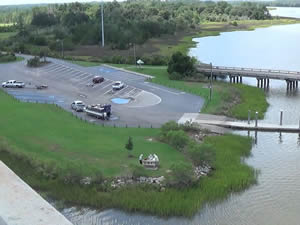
<point x="129" y="146"/>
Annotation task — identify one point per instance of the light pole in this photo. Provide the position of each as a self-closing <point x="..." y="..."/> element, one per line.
<point x="210" y="82"/>
<point x="102" y="24"/>
<point x="62" y="47"/>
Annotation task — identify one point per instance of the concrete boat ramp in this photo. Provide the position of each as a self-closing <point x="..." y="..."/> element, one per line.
<point x="206" y="121"/>
<point x="21" y="205"/>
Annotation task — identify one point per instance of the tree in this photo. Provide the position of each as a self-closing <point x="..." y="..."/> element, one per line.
<point x="181" y="64"/>
<point x="129" y="146"/>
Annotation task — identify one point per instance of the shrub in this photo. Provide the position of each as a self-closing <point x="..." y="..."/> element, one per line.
<point x="33" y="62"/>
<point x="177" y="138"/>
<point x="175" y="76"/>
<point x="182" y="175"/>
<point x="165" y="128"/>
<point x="8" y="58"/>
<point x="202" y="154"/>
<point x="182" y="64"/>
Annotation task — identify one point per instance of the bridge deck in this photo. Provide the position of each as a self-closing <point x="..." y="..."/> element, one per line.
<point x="203" y="119"/>
<point x="251" y="72"/>
<point x="21" y="205"/>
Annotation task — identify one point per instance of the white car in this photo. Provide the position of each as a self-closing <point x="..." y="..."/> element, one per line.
<point x="118" y="85"/>
<point x="78" y="106"/>
<point x="13" y="84"/>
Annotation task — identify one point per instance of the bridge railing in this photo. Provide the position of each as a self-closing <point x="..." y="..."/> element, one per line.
<point x="253" y="70"/>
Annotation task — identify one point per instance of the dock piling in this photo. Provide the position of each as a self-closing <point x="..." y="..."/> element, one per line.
<point x="281" y="117"/>
<point x="249" y="116"/>
<point x="256" y="118"/>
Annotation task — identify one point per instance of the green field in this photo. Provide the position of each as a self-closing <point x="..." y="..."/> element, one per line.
<point x="52" y="136"/>
<point x="233" y="100"/>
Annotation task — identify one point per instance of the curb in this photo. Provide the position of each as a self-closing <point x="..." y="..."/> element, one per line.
<point x="128" y="71"/>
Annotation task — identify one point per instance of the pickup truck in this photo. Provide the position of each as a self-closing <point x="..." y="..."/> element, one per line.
<point x="13" y="84"/>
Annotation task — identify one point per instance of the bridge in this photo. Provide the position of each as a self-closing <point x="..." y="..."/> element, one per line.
<point x="263" y="76"/>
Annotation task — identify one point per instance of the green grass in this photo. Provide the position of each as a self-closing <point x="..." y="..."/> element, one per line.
<point x="230" y="175"/>
<point x="52" y="136"/>
<point x="233" y="100"/>
<point x="6" y="35"/>
<point x="85" y="63"/>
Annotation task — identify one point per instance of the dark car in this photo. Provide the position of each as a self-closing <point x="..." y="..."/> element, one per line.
<point x="98" y="79"/>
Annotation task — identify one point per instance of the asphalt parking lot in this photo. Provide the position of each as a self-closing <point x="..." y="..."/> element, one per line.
<point x="150" y="105"/>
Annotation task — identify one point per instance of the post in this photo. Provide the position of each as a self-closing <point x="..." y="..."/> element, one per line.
<point x="134" y="54"/>
<point x="249" y="116"/>
<point x="281" y="116"/>
<point x="210" y="86"/>
<point x="62" y="48"/>
<point x="102" y="24"/>
<point x="256" y="118"/>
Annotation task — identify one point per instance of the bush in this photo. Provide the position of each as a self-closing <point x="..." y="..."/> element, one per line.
<point x="182" y="175"/>
<point x="182" y="64"/>
<point x="139" y="171"/>
<point x="175" y="76"/>
<point x="165" y="128"/>
<point x="33" y="62"/>
<point x="178" y="139"/>
<point x="7" y="57"/>
<point x="202" y="154"/>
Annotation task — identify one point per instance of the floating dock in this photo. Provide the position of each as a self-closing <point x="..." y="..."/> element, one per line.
<point x="221" y="121"/>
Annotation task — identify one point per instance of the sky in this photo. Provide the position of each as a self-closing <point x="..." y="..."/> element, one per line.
<point x="21" y="2"/>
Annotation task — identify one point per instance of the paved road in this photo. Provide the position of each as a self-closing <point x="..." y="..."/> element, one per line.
<point x="151" y="104"/>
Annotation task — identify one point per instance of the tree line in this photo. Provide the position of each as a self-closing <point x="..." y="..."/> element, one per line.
<point x="126" y="23"/>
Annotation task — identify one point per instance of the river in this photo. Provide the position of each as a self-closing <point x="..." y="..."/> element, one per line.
<point x="276" y="197"/>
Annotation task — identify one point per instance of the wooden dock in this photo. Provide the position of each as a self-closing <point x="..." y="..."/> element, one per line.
<point x="205" y="119"/>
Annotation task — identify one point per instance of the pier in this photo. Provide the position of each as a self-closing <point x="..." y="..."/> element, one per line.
<point x="204" y="120"/>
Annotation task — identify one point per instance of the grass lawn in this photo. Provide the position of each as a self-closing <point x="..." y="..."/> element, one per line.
<point x="51" y="135"/>
<point x="228" y="99"/>
<point x="231" y="175"/>
<point x="84" y="63"/>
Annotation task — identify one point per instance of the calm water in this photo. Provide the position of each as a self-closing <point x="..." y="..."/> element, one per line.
<point x="275" y="200"/>
<point x="286" y="12"/>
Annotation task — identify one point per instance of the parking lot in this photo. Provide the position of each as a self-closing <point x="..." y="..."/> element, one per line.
<point x="149" y="105"/>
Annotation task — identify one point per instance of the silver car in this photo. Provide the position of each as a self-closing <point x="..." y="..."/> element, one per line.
<point x="78" y="106"/>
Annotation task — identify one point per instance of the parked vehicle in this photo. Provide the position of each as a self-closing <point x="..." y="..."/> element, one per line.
<point x="118" y="85"/>
<point x="42" y="86"/>
<point x="13" y="84"/>
<point x="98" y="79"/>
<point x="78" y="106"/>
<point x="100" y="111"/>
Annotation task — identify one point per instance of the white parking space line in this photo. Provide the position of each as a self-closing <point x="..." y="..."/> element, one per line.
<point x="171" y="92"/>
<point x="128" y="93"/>
<point x="139" y="93"/>
<point x="118" y="92"/>
<point x="110" y="90"/>
<point x="51" y="66"/>
<point x="85" y="80"/>
<point x="69" y="74"/>
<point x="110" y="83"/>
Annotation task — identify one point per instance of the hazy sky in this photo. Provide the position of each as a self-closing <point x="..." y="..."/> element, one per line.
<point x="19" y="2"/>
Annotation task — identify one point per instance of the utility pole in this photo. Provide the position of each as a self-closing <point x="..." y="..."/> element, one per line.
<point x="210" y="84"/>
<point x="102" y="23"/>
<point x="134" y="53"/>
